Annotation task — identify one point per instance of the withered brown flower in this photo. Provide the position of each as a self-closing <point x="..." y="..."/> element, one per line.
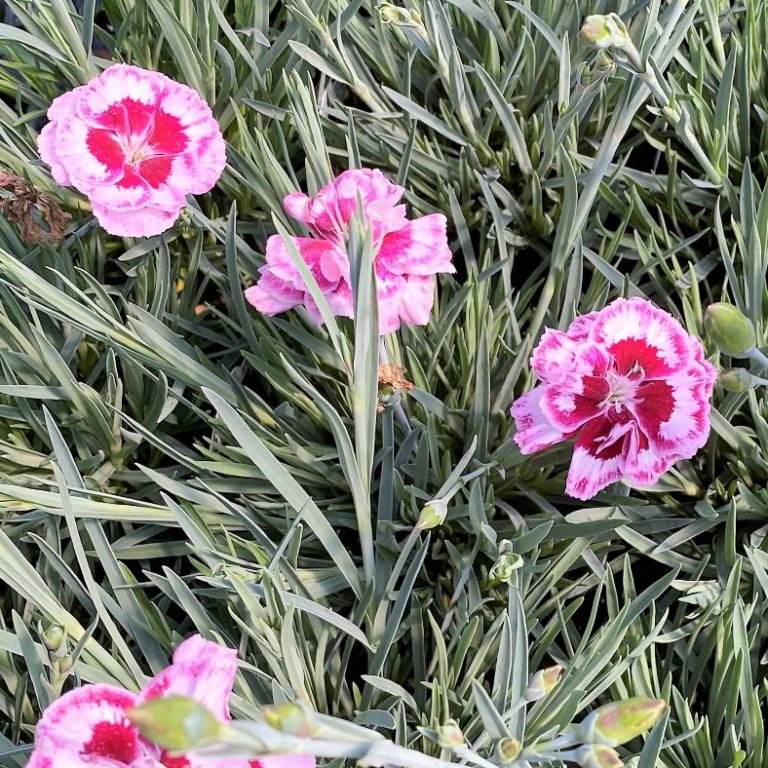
<point x="37" y="215"/>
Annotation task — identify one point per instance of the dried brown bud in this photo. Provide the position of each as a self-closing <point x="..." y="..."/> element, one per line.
<point x="391" y="377"/>
<point x="38" y="216"/>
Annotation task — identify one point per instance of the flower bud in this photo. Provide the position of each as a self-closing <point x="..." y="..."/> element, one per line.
<point x="543" y="682"/>
<point x="394" y="14"/>
<point x="64" y="664"/>
<point x="729" y="329"/>
<point x="54" y="637"/>
<point x="176" y="723"/>
<point x="604" y="31"/>
<point x="506" y="563"/>
<point x="449" y="735"/>
<point x="289" y="718"/>
<point x="598" y="756"/>
<point x="433" y="514"/>
<point x="508" y="750"/>
<point x="620" y="721"/>
<point x="737" y="380"/>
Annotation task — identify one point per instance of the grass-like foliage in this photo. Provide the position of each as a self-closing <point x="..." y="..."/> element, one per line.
<point x="172" y="461"/>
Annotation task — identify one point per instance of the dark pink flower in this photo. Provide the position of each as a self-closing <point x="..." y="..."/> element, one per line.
<point x="136" y="143"/>
<point x="89" y="727"/>
<point x="629" y="385"/>
<point x="409" y="253"/>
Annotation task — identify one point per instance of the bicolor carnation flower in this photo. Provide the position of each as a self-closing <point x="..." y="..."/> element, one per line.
<point x="136" y="143"/>
<point x="408" y="253"/>
<point x="89" y="726"/>
<point x="629" y="385"/>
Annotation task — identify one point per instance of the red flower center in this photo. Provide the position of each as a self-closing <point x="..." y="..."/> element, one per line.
<point x="113" y="741"/>
<point x="138" y="138"/>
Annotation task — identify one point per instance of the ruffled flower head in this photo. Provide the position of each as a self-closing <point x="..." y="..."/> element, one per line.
<point x="89" y="726"/>
<point x="136" y="143"/>
<point x="629" y="385"/>
<point x="408" y="253"/>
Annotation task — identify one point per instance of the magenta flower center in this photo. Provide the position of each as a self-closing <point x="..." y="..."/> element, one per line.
<point x="113" y="741"/>
<point x="140" y="139"/>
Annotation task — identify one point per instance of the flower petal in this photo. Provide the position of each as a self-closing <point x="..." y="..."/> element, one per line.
<point x="574" y="401"/>
<point x="674" y="414"/>
<point x="335" y="204"/>
<point x="599" y="457"/>
<point x="271" y="295"/>
<point x="284" y="761"/>
<point x="89" y="723"/>
<point x="579" y="329"/>
<point x="46" y="146"/>
<point x="418" y="248"/>
<point x="202" y="670"/>
<point x="142" y="222"/>
<point x="534" y="432"/>
<point x="637" y="333"/>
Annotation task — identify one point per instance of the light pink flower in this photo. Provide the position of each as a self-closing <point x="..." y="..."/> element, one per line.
<point x="629" y="385"/>
<point x="89" y="727"/>
<point x="136" y="143"/>
<point x="408" y="253"/>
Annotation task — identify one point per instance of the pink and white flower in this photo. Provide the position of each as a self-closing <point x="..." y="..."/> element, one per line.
<point x="629" y="385"/>
<point x="136" y="143"/>
<point x="408" y="253"/>
<point x="89" y="726"/>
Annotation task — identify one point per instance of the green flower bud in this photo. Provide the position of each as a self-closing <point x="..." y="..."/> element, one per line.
<point x="729" y="329"/>
<point x="394" y="14"/>
<point x="64" y="664"/>
<point x="176" y="723"/>
<point x="54" y="637"/>
<point x="620" y="721"/>
<point x="737" y="380"/>
<point x="508" y="750"/>
<point x="543" y="682"/>
<point x="505" y="566"/>
<point x="289" y="718"/>
<point x="604" y="31"/>
<point x="598" y="756"/>
<point x="433" y="514"/>
<point x="449" y="735"/>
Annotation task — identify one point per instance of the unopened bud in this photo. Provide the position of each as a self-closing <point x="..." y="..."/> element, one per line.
<point x="506" y="563"/>
<point x="176" y="723"/>
<point x="543" y="682"/>
<point x="63" y="665"/>
<point x="54" y="637"/>
<point x="737" y="380"/>
<point x="450" y="735"/>
<point x="394" y="14"/>
<point x="730" y="329"/>
<point x="621" y="721"/>
<point x="289" y="718"/>
<point x="433" y="514"/>
<point x="508" y="750"/>
<point x="598" y="756"/>
<point x="604" y="31"/>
